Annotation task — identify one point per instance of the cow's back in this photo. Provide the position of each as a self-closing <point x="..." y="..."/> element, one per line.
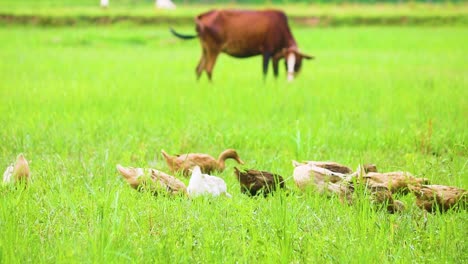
<point x="245" y="33"/>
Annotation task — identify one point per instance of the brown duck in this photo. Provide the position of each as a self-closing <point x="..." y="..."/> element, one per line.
<point x="19" y="173"/>
<point x="185" y="162"/>
<point x="254" y="182"/>
<point x="152" y="180"/>
<point x="382" y="196"/>
<point x="368" y="168"/>
<point x="394" y="181"/>
<point x="439" y="197"/>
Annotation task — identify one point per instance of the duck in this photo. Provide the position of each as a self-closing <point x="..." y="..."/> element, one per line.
<point x="329" y="165"/>
<point x="185" y="162"/>
<point x="155" y="181"/>
<point x="204" y="184"/>
<point x="397" y="181"/>
<point x="330" y="183"/>
<point x="361" y="170"/>
<point x="254" y="182"/>
<point x="324" y="181"/>
<point x="307" y="174"/>
<point x="19" y="172"/>
<point x="381" y="196"/>
<point x="440" y="198"/>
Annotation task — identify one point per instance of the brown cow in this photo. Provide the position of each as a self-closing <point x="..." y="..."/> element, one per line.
<point x="243" y="34"/>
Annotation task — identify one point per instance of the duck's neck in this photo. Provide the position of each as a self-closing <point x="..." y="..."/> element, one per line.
<point x="227" y="154"/>
<point x="195" y="178"/>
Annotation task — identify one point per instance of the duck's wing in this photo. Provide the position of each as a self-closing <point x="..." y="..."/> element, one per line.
<point x="173" y="184"/>
<point x="398" y="181"/>
<point x="441" y="197"/>
<point x="186" y="162"/>
<point x="332" y="166"/>
<point x="217" y="185"/>
<point x="449" y="196"/>
<point x="206" y="162"/>
<point x="248" y="181"/>
<point x="322" y="174"/>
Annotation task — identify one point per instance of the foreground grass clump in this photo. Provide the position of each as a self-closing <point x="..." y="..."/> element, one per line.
<point x="78" y="101"/>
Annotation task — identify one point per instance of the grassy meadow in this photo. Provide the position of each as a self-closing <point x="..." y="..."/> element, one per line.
<point x="140" y="8"/>
<point x="79" y="100"/>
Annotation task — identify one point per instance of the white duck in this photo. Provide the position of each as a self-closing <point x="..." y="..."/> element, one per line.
<point x="8" y="173"/>
<point x="17" y="173"/>
<point x="202" y="184"/>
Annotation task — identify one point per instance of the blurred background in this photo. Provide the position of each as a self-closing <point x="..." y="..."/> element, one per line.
<point x="311" y="13"/>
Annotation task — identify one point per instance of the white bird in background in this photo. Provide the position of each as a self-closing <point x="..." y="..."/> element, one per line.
<point x="202" y="184"/>
<point x="8" y="173"/>
<point x="18" y="172"/>
<point x="104" y="3"/>
<point x="165" y="4"/>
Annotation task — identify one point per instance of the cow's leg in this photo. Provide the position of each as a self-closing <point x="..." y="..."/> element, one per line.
<point x="201" y="64"/>
<point x="266" y="60"/>
<point x="210" y="62"/>
<point x="275" y="67"/>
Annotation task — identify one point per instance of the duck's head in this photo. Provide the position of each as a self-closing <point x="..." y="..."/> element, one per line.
<point x="196" y="172"/>
<point x="238" y="172"/>
<point x="21" y="159"/>
<point x="230" y="154"/>
<point x="129" y="172"/>
<point x="363" y="170"/>
<point x="369" y="168"/>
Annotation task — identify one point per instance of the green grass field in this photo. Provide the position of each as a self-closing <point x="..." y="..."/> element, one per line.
<point x="77" y="101"/>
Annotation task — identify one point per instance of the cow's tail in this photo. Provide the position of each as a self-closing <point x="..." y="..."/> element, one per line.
<point x="182" y="36"/>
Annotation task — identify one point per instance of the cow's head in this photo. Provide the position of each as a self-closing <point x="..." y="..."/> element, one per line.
<point x="293" y="60"/>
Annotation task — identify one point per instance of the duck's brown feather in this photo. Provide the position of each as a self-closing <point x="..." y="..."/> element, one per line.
<point x="185" y="162"/>
<point x="152" y="180"/>
<point x="394" y="181"/>
<point x="332" y="166"/>
<point x="439" y="197"/>
<point x="254" y="182"/>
